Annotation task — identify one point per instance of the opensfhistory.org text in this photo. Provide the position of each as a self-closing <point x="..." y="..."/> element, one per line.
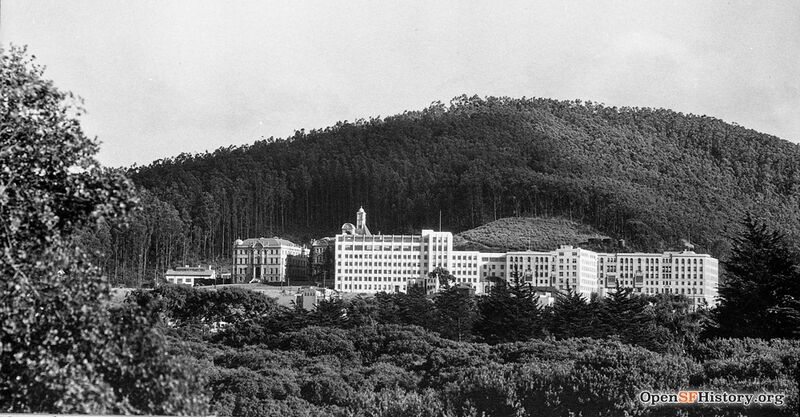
<point x="711" y="397"/>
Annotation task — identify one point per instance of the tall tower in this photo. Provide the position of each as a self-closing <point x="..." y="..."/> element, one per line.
<point x="361" y="219"/>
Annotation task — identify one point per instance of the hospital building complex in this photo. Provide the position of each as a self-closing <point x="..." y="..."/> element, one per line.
<point x="367" y="263"/>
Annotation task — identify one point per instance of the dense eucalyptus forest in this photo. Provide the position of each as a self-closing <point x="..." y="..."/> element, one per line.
<point x="650" y="176"/>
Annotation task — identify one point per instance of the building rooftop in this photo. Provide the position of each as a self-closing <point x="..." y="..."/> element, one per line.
<point x="190" y="272"/>
<point x="324" y="241"/>
<point x="264" y="241"/>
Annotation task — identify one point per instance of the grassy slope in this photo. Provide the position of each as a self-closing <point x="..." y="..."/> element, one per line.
<point x="518" y="233"/>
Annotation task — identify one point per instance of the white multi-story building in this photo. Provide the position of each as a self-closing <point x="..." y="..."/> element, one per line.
<point x="269" y="260"/>
<point x="387" y="263"/>
<point x="533" y="267"/>
<point x="691" y="274"/>
<point x="369" y="263"/>
<point x="567" y="268"/>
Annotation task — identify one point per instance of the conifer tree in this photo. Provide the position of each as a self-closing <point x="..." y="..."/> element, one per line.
<point x="623" y="314"/>
<point x="762" y="286"/>
<point x="509" y="313"/>
<point x="572" y="316"/>
<point x="456" y="312"/>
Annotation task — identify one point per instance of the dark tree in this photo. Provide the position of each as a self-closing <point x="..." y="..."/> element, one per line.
<point x="456" y="313"/>
<point x="509" y="313"/>
<point x="330" y="313"/>
<point x="622" y="313"/>
<point x="761" y="288"/>
<point x="572" y="316"/>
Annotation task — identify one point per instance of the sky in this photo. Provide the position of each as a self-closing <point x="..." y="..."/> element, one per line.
<point x="159" y="78"/>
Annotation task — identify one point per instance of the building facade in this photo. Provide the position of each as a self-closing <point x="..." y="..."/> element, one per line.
<point x="389" y="263"/>
<point x="687" y="273"/>
<point x="367" y="263"/>
<point x="567" y="268"/>
<point x="269" y="260"/>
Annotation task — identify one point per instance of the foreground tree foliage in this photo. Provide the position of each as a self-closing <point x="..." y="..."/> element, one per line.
<point x="62" y="347"/>
<point x="389" y="370"/>
<point x="760" y="296"/>
<point x="418" y="354"/>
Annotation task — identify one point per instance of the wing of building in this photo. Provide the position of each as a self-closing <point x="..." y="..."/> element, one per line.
<point x="367" y="263"/>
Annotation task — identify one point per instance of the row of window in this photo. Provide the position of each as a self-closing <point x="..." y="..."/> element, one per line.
<point x="362" y="264"/>
<point x="375" y="279"/>
<point x="656" y="261"/>
<point x="370" y="256"/>
<point x="369" y="287"/>
<point x="401" y="272"/>
<point x="393" y="279"/>
<point x="650" y="268"/>
<point x="262" y="251"/>
<point x="673" y="291"/>
<point x="656" y="275"/>
<point x="386" y="238"/>
<point x="259" y="261"/>
<point x="536" y="259"/>
<point x="657" y="283"/>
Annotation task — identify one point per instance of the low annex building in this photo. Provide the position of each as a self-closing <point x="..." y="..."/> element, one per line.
<point x="308" y="297"/>
<point x="269" y="260"/>
<point x="189" y="274"/>
<point x="367" y="263"/>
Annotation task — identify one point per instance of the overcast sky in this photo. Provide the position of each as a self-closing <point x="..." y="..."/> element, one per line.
<point x="164" y="77"/>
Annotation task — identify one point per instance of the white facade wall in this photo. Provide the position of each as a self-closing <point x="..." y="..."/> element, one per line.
<point x="576" y="270"/>
<point x="180" y="280"/>
<point x="534" y="267"/>
<point x="465" y="267"/>
<point x="493" y="265"/>
<point x="386" y="263"/>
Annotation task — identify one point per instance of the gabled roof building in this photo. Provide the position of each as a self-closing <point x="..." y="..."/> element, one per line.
<point x="269" y="260"/>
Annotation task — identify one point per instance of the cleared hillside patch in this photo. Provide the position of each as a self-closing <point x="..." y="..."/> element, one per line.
<point x="535" y="233"/>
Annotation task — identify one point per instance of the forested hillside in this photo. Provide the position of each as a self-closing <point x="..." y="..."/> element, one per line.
<point x="650" y="176"/>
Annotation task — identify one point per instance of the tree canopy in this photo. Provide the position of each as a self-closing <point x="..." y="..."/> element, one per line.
<point x="760" y="296"/>
<point x="62" y="348"/>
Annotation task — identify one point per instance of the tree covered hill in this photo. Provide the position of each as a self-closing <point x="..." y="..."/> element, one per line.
<point x="650" y="176"/>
